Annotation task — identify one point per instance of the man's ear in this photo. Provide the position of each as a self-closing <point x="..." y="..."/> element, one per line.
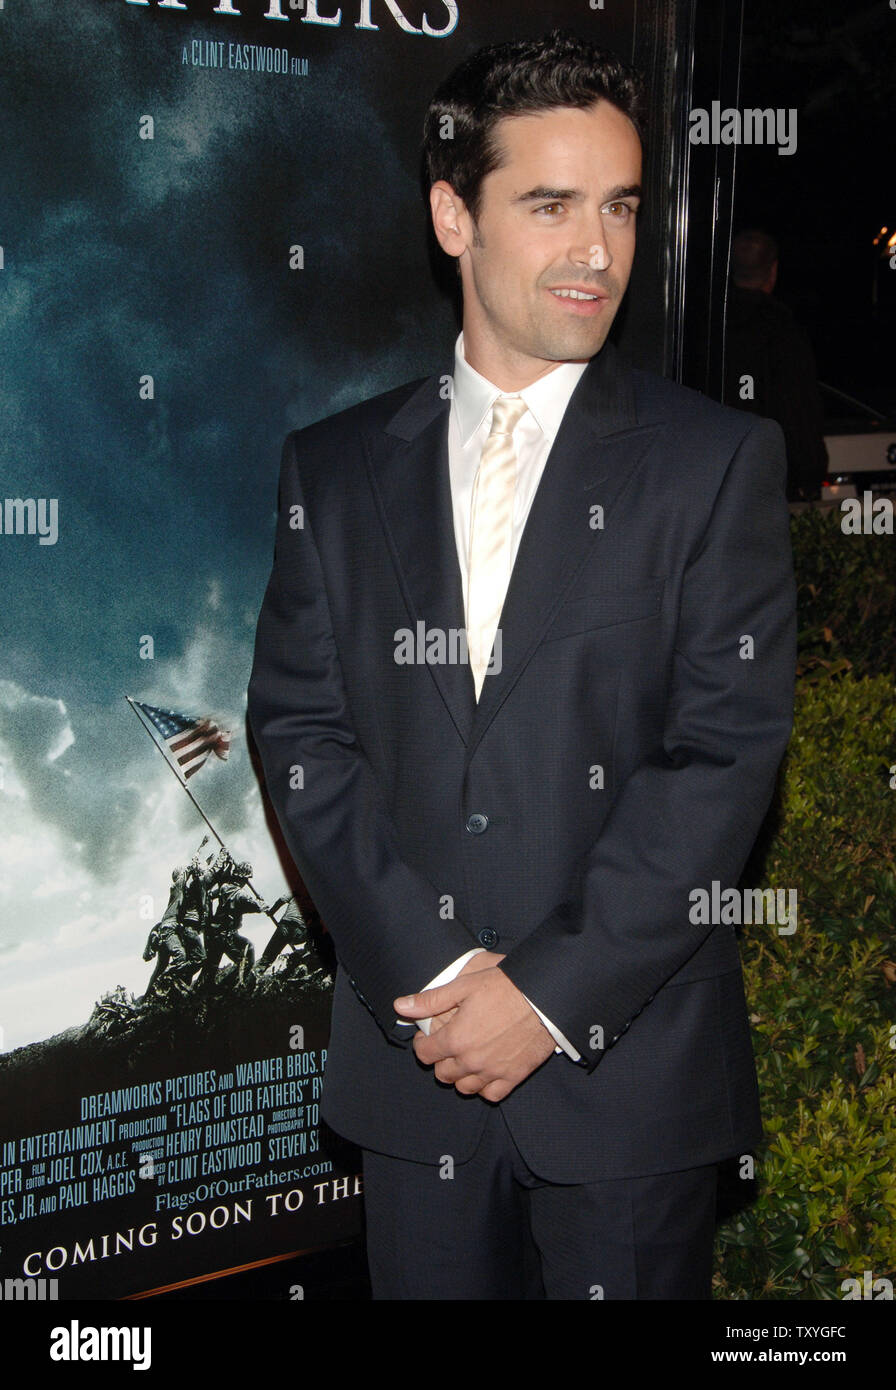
<point x="450" y="218"/>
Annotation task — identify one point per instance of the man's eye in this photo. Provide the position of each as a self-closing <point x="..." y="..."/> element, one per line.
<point x="544" y="207"/>
<point x="624" y="210"/>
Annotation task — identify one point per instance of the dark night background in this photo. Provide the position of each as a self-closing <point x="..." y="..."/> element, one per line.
<point x="837" y="65"/>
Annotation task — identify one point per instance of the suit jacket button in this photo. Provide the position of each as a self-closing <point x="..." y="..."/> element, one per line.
<point x="487" y="938"/>
<point x="477" y="823"/>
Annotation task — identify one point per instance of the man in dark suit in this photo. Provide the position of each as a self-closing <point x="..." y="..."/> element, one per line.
<point x="523" y="679"/>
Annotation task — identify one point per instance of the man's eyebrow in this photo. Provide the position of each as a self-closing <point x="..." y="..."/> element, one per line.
<point x="624" y="190"/>
<point x="569" y="195"/>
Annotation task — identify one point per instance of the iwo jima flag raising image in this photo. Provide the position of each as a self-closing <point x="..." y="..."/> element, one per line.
<point x="189" y="739"/>
<point x="184" y="1106"/>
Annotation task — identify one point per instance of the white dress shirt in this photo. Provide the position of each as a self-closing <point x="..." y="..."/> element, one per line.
<point x="469" y="424"/>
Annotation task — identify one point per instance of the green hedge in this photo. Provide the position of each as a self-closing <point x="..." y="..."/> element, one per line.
<point x="847" y="597"/>
<point x="823" y="1001"/>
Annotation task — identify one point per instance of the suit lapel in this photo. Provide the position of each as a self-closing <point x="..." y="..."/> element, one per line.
<point x="409" y="466"/>
<point x="598" y="446"/>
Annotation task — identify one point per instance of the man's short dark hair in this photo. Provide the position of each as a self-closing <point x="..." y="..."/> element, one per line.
<point x="518" y="79"/>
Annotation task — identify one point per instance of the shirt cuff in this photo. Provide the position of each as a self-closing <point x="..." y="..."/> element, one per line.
<point x="445" y="978"/>
<point x="453" y="970"/>
<point x="563" y="1043"/>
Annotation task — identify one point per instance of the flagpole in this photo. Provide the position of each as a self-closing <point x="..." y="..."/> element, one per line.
<point x="181" y="781"/>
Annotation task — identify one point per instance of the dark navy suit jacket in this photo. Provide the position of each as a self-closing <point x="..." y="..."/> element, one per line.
<point x="624" y="755"/>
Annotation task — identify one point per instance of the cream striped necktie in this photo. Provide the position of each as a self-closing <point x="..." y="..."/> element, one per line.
<point x="491" y="534"/>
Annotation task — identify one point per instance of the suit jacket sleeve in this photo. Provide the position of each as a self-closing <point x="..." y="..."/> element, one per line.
<point x="383" y="915"/>
<point x="689" y="813"/>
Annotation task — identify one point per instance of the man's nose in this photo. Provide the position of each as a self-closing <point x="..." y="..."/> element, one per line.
<point x="595" y="253"/>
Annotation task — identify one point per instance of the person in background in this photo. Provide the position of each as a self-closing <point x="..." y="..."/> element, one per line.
<point x="769" y="362"/>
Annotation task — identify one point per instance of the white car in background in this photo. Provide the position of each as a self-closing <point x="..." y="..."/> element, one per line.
<point x="861" y="444"/>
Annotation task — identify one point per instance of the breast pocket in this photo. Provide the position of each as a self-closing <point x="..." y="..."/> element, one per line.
<point x="606" y="608"/>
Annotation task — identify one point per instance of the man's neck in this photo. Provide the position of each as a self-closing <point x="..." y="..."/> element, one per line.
<point x="510" y="372"/>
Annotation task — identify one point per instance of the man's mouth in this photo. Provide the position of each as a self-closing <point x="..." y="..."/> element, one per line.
<point x="580" y="301"/>
<point x="576" y="294"/>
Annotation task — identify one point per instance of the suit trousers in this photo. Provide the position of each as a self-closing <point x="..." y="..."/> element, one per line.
<point x="490" y="1228"/>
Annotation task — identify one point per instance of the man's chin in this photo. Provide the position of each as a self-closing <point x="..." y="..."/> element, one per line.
<point x="579" y="348"/>
<point x="576" y="343"/>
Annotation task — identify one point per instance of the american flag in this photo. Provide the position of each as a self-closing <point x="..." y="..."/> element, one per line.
<point x="189" y="737"/>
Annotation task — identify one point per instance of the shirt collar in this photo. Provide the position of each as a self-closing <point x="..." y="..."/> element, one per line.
<point x="547" y="398"/>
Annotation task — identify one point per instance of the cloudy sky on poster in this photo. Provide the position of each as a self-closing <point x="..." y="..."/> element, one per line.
<point x="125" y="257"/>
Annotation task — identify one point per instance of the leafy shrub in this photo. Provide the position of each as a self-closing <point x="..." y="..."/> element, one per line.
<point x="846" y="596"/>
<point x="822" y="1008"/>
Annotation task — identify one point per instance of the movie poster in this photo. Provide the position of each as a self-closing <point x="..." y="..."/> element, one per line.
<point x="213" y="232"/>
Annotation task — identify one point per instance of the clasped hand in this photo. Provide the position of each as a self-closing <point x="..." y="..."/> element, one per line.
<point x="485" y="1037"/>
